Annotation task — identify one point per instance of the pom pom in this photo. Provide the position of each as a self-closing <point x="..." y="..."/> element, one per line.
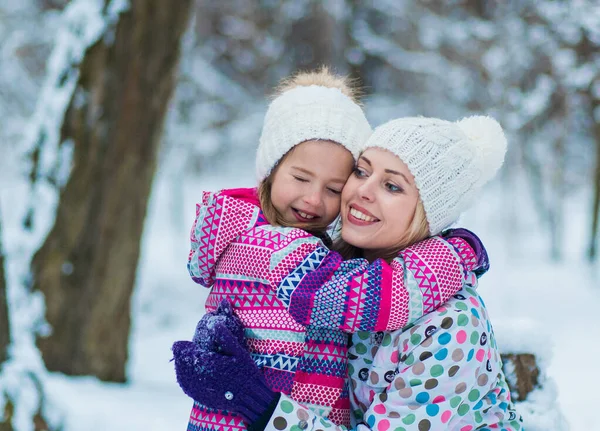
<point x="487" y="137"/>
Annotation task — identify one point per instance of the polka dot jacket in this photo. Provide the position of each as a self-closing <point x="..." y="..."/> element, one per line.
<point x="443" y="373"/>
<point x="298" y="300"/>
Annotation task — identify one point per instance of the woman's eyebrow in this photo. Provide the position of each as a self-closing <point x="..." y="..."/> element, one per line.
<point x="366" y="160"/>
<point x="391" y="171"/>
<point x="388" y="171"/>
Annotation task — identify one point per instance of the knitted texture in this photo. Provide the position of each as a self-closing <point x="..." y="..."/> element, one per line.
<point x="223" y="377"/>
<point x="309" y="113"/>
<point x="451" y="161"/>
<point x="298" y="300"/>
<point x="223" y="315"/>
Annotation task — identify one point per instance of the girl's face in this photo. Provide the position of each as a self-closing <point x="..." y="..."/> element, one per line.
<point x="378" y="202"/>
<point x="308" y="183"/>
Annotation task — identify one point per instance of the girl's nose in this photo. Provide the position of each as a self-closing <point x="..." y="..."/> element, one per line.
<point x="313" y="198"/>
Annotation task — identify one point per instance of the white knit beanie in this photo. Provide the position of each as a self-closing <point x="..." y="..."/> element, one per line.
<point x="307" y="113"/>
<point x="451" y="161"/>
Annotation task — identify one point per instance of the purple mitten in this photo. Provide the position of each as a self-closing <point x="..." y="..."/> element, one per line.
<point x="203" y="335"/>
<point x="225" y="379"/>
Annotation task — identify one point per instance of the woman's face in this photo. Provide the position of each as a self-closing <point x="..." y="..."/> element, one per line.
<point x="307" y="185"/>
<point x="378" y="201"/>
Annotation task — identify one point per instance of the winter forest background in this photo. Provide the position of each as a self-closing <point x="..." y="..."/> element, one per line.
<point x="115" y="114"/>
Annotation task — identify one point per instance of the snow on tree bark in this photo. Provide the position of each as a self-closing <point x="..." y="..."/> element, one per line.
<point x="86" y="267"/>
<point x="32" y="202"/>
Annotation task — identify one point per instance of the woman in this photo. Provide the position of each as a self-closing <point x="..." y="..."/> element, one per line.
<point x="414" y="178"/>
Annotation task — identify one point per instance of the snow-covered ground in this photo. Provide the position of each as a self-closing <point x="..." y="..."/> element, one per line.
<point x="549" y="308"/>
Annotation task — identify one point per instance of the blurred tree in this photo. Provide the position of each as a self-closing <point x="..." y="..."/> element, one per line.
<point x="311" y="40"/>
<point x="25" y="43"/>
<point x="361" y="64"/>
<point x="52" y="4"/>
<point x="26" y="37"/>
<point x="593" y="248"/>
<point x="5" y="423"/>
<point x="86" y="267"/>
<point x="39" y="422"/>
<point x="548" y="106"/>
<point x="4" y="323"/>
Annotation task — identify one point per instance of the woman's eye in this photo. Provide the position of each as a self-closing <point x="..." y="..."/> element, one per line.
<point x="359" y="173"/>
<point x="393" y="188"/>
<point x="334" y="191"/>
<point x="302" y="180"/>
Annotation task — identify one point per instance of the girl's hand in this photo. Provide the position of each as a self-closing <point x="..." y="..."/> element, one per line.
<point x="203" y="335"/>
<point x="225" y="378"/>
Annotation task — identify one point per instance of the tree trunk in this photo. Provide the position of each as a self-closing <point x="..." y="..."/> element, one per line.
<point x="86" y="268"/>
<point x="7" y="415"/>
<point x="593" y="250"/>
<point x="360" y="63"/>
<point x="4" y="323"/>
<point x="522" y="374"/>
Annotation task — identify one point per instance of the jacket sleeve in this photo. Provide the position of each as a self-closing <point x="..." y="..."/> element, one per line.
<point x="220" y="219"/>
<point x="443" y="375"/>
<point x="357" y="296"/>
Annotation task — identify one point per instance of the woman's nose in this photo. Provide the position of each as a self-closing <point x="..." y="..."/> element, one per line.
<point x="365" y="191"/>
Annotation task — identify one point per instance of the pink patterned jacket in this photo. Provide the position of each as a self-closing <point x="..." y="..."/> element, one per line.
<point x="299" y="300"/>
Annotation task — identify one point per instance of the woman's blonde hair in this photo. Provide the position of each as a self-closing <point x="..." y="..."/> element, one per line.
<point x="417" y="231"/>
<point x="322" y="77"/>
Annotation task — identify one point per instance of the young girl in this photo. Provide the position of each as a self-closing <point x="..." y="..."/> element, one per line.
<point x="270" y="273"/>
<point x="445" y="371"/>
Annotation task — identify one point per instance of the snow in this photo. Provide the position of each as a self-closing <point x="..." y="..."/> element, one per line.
<point x="537" y="305"/>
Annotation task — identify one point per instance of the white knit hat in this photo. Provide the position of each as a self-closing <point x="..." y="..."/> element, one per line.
<point x="451" y="161"/>
<point x="307" y="113"/>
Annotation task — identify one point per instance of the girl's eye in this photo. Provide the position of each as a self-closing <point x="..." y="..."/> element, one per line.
<point x="302" y="180"/>
<point x="334" y="191"/>
<point x="393" y="188"/>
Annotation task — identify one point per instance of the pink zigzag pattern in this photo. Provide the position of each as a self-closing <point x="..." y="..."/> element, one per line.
<point x="466" y="253"/>
<point x="357" y="284"/>
<point x="206" y="247"/>
<point x="426" y="279"/>
<point x="261" y="237"/>
<point x="215" y="421"/>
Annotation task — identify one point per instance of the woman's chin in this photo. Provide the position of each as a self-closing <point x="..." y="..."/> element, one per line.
<point x="354" y="238"/>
